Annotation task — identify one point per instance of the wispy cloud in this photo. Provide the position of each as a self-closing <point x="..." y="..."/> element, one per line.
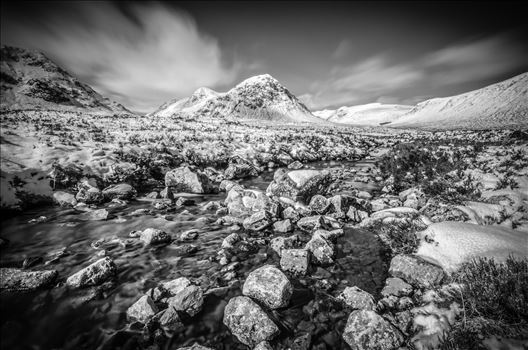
<point x="379" y="75"/>
<point x="150" y="54"/>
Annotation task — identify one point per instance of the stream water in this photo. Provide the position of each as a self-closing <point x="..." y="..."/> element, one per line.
<point x="93" y="318"/>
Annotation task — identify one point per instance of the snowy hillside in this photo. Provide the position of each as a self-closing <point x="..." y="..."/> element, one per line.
<point x="260" y="97"/>
<point x="500" y="105"/>
<point x="372" y="114"/>
<point x="30" y="80"/>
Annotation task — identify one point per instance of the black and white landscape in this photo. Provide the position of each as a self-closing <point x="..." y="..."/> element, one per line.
<point x="219" y="175"/>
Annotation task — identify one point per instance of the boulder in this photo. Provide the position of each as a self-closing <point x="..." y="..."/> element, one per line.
<point x="119" y="191"/>
<point x="94" y="274"/>
<point x="299" y="185"/>
<point x="295" y="261"/>
<point x="183" y="179"/>
<point x="416" y="271"/>
<point x="268" y="285"/>
<point x="357" y="298"/>
<point x="239" y="168"/>
<point x="142" y="310"/>
<point x="184" y="296"/>
<point x="366" y="330"/>
<point x="15" y="280"/>
<point x="248" y="322"/>
<point x="450" y="244"/>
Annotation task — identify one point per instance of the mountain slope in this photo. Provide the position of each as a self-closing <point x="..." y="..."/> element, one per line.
<point x="260" y="97"/>
<point x="30" y="80"/>
<point x="500" y="105"/>
<point x="372" y="114"/>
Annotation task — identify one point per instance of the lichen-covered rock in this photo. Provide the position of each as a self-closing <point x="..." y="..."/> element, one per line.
<point x="299" y="185"/>
<point x="94" y="274"/>
<point x="258" y="221"/>
<point x="366" y="330"/>
<point x="268" y="285"/>
<point x="280" y="243"/>
<point x="142" y="310"/>
<point x="295" y="261"/>
<point x="239" y="168"/>
<point x="396" y="287"/>
<point x="310" y="223"/>
<point x="185" y="296"/>
<point x="416" y="271"/>
<point x="291" y="214"/>
<point x="357" y="298"/>
<point x="184" y="179"/>
<point x="322" y="250"/>
<point x="120" y="191"/>
<point x="248" y="322"/>
<point x="89" y="195"/>
<point x="14" y="280"/>
<point x="154" y="236"/>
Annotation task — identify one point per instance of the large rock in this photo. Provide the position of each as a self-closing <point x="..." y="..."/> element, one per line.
<point x="120" y="191"/>
<point x="64" y="199"/>
<point x="258" y="221"/>
<point x="357" y="298"/>
<point x="93" y="274"/>
<point x="416" y="271"/>
<point x="397" y="287"/>
<point x="366" y="330"/>
<point x="322" y="250"/>
<point x="14" y="280"/>
<point x="239" y="168"/>
<point x="142" y="310"/>
<point x="450" y="244"/>
<point x="268" y="285"/>
<point x="154" y="236"/>
<point x="299" y="185"/>
<point x="184" y="179"/>
<point x="295" y="261"/>
<point x="248" y="322"/>
<point x="185" y="296"/>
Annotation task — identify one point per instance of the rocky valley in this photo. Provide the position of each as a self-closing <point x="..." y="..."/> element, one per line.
<point x="243" y="220"/>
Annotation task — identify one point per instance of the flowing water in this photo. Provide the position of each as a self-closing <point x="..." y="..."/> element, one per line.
<point x="91" y="318"/>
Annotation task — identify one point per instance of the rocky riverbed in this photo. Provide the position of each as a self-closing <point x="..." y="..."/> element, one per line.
<point x="278" y="239"/>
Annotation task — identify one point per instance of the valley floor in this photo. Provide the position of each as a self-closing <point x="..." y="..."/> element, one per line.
<point x="163" y="232"/>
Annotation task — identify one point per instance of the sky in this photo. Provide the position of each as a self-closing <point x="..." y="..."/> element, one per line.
<point x="329" y="54"/>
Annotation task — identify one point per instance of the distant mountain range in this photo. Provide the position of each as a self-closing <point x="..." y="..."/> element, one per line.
<point x="30" y="80"/>
<point x="501" y="105"/>
<point x="260" y="97"/>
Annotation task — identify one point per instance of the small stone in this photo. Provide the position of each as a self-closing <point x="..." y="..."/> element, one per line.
<point x="416" y="271"/>
<point x="230" y="241"/>
<point x="366" y="330"/>
<point x="94" y="274"/>
<point x="248" y="322"/>
<point x="357" y="298"/>
<point x="322" y="250"/>
<point x="154" y="236"/>
<point x="397" y="287"/>
<point x="189" y="235"/>
<point x="268" y="285"/>
<point x="185" y="296"/>
<point x="258" y="221"/>
<point x="142" y="310"/>
<point x="283" y="226"/>
<point x="295" y="261"/>
<point x="310" y="223"/>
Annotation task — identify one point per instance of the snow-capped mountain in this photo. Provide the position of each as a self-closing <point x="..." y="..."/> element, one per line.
<point x="260" y="97"/>
<point x="371" y="114"/>
<point x="30" y="80"/>
<point x="501" y="105"/>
